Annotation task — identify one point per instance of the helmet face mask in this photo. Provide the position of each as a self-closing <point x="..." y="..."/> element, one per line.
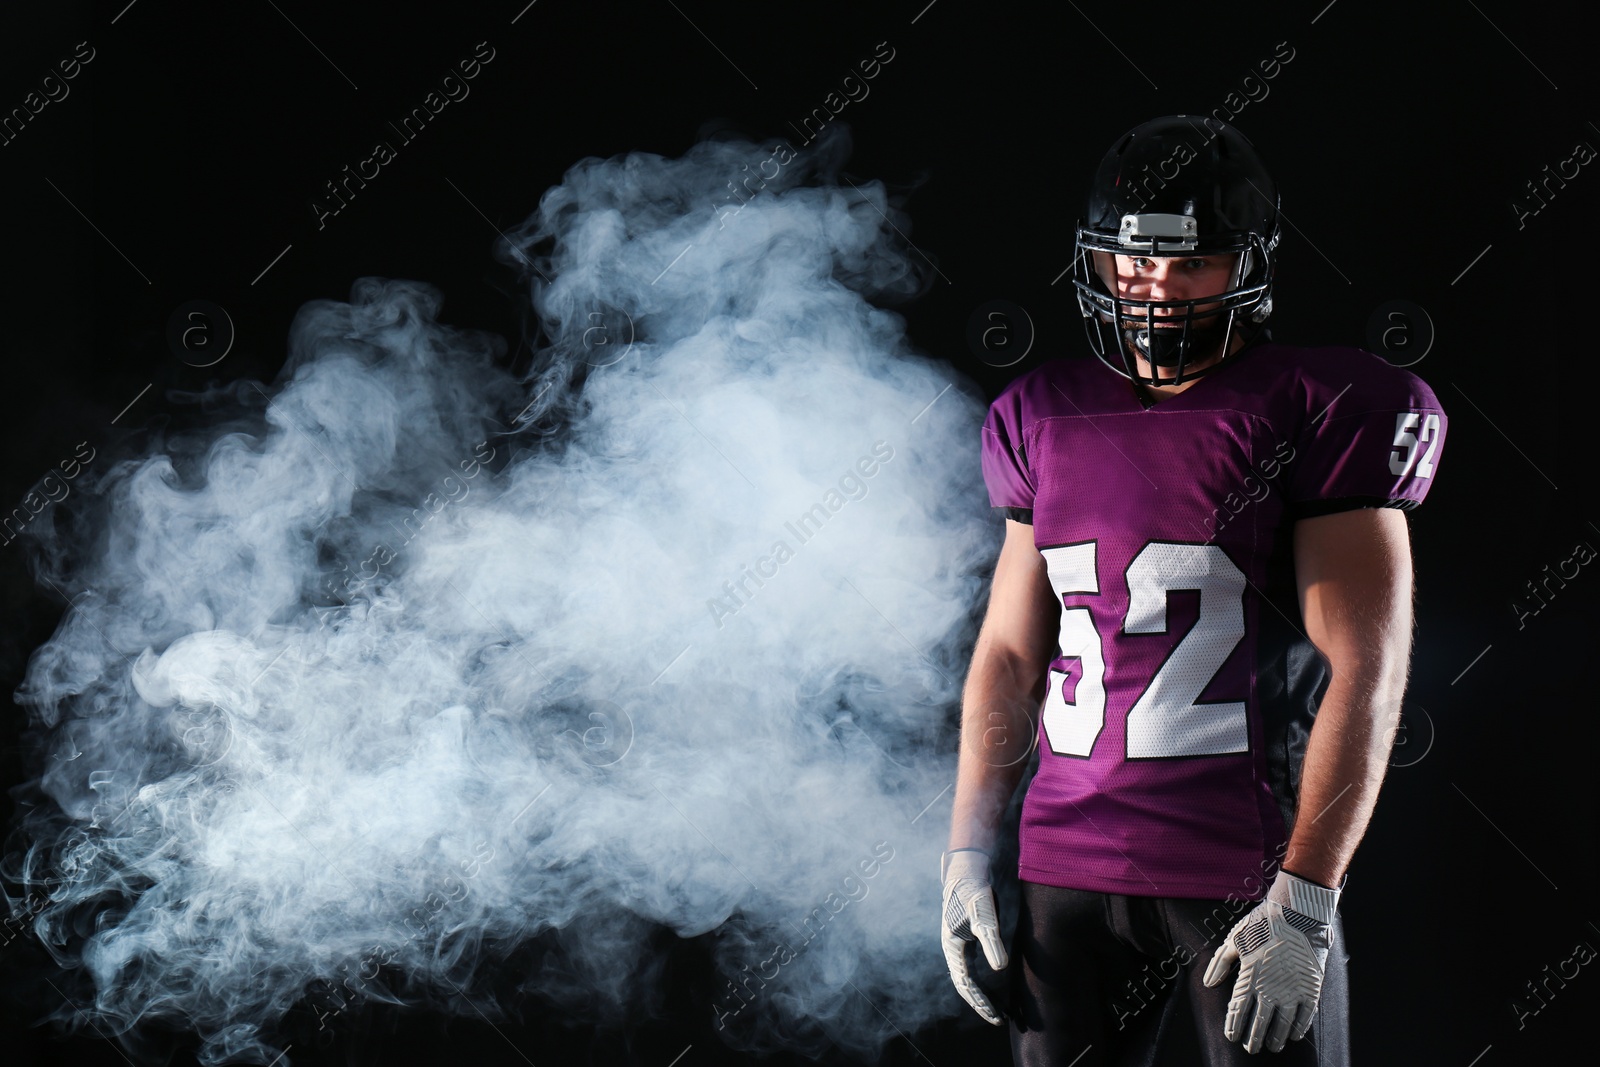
<point x="1185" y="203"/>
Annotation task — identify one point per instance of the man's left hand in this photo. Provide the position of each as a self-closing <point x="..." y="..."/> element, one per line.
<point x="1281" y="946"/>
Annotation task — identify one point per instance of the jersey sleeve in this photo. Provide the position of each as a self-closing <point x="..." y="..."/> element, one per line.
<point x="1371" y="438"/>
<point x="1005" y="460"/>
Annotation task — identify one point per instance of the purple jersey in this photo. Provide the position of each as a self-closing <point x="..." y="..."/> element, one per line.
<point x="1178" y="708"/>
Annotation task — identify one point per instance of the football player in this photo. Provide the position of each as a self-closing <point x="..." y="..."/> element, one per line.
<point x="1201" y="613"/>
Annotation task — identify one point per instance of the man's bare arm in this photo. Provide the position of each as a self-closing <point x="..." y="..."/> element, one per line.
<point x="1353" y="570"/>
<point x="1005" y="688"/>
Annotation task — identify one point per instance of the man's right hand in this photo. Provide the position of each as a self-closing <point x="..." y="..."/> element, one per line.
<point x="969" y="915"/>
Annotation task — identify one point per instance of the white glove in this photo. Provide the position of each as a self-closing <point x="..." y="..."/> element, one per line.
<point x="969" y="915"/>
<point x="1281" y="946"/>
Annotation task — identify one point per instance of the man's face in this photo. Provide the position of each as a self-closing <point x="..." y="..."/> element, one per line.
<point x="1173" y="278"/>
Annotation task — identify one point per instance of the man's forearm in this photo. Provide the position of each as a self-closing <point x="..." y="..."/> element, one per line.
<point x="1346" y="757"/>
<point x="999" y="722"/>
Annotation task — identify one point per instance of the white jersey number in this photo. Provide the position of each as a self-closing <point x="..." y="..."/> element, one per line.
<point x="1165" y="721"/>
<point x="1407" y="443"/>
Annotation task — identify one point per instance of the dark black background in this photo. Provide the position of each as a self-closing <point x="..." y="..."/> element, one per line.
<point x="198" y="135"/>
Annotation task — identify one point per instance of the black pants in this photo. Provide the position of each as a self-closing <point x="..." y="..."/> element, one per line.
<point x="1103" y="979"/>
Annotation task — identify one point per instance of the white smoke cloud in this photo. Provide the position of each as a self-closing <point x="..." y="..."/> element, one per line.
<point x="362" y="689"/>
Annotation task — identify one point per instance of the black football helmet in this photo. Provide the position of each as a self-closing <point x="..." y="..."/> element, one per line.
<point x="1177" y="186"/>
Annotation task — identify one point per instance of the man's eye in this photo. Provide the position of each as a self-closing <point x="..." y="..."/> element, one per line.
<point x="1197" y="264"/>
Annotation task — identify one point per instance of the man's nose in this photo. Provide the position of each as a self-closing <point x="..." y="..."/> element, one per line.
<point x="1163" y="283"/>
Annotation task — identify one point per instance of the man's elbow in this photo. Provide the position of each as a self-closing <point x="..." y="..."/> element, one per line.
<point x="1379" y="668"/>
